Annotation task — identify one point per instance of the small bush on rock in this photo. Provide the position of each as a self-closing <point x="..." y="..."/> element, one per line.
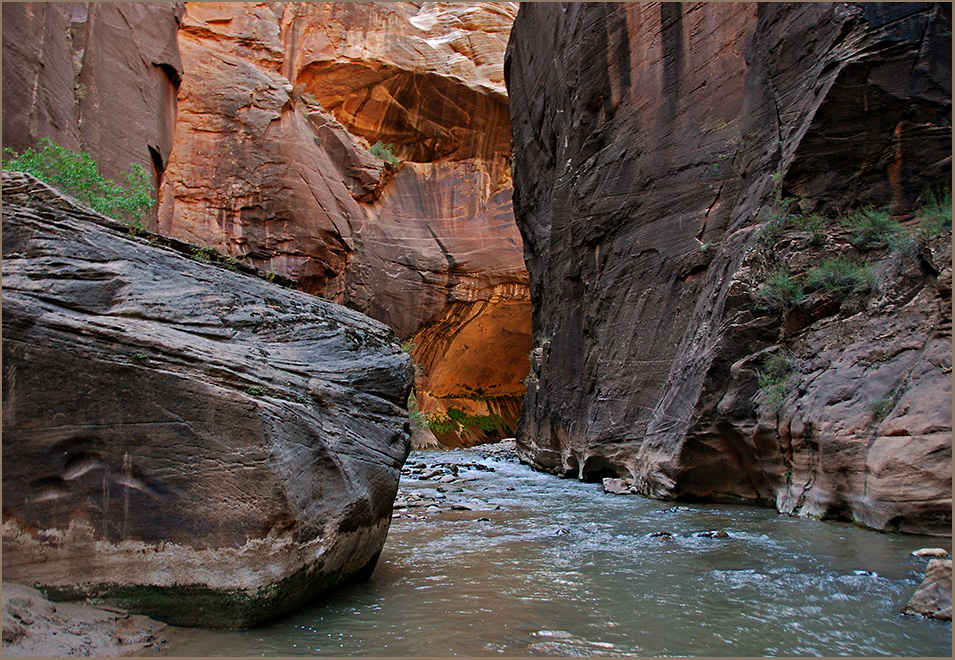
<point x="875" y="228"/>
<point x="78" y="175"/>
<point x="385" y="152"/>
<point x="773" y="376"/>
<point x="935" y="216"/>
<point x="781" y="290"/>
<point x="841" y="275"/>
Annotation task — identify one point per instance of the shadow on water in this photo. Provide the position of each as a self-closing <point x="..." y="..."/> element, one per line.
<point x="548" y="566"/>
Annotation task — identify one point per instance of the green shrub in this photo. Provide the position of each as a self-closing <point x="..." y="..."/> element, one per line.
<point x="456" y="419"/>
<point x="841" y="275"/>
<point x="773" y="376"/>
<point x="417" y="418"/>
<point x="202" y="255"/>
<point x="935" y="216"/>
<point x="78" y="175"/>
<point x="781" y="290"/>
<point x="875" y="228"/>
<point x="881" y="407"/>
<point x="385" y="152"/>
<point x="255" y="390"/>
<point x="770" y="232"/>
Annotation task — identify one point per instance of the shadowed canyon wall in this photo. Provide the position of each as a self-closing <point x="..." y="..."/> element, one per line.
<point x="259" y="125"/>
<point x="653" y="146"/>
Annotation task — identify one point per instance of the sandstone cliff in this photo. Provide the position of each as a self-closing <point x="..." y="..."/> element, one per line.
<point x="278" y="107"/>
<point x="94" y="77"/>
<point x="186" y="441"/>
<point x="652" y="144"/>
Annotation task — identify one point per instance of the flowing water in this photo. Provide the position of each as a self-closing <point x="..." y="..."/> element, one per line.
<point x="560" y="568"/>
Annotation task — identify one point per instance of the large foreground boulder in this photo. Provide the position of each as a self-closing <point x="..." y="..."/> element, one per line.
<point x="188" y="442"/>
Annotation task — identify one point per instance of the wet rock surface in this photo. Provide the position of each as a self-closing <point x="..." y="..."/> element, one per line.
<point x="181" y="440"/>
<point x="643" y="177"/>
<point x="36" y="627"/>
<point x="436" y="486"/>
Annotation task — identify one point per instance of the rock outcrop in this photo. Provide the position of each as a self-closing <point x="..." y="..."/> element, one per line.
<point x="98" y="77"/>
<point x="192" y="443"/>
<point x="651" y="144"/>
<point x="278" y="108"/>
<point x="933" y="598"/>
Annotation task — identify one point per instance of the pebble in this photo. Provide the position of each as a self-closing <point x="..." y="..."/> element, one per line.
<point x="447" y="479"/>
<point x="940" y="553"/>
<point x="661" y="535"/>
<point x="433" y="509"/>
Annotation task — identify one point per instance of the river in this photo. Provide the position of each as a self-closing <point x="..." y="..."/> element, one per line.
<point x="547" y="566"/>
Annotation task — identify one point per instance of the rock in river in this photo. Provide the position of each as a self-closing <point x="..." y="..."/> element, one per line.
<point x="190" y="443"/>
<point x="933" y="598"/>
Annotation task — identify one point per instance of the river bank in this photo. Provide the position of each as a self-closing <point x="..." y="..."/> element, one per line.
<point x="36" y="627"/>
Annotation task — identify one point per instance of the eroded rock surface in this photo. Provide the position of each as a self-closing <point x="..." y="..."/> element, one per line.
<point x="278" y="107"/>
<point x="191" y="443"/>
<point x="652" y="142"/>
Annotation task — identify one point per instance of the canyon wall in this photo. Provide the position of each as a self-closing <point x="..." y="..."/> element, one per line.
<point x="260" y="133"/>
<point x="95" y="77"/>
<point x="656" y="149"/>
<point x="182" y="439"/>
<point x="278" y="108"/>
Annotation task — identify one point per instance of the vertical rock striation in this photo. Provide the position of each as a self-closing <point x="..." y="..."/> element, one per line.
<point x="188" y="442"/>
<point x="278" y="106"/>
<point x="99" y="77"/>
<point x="652" y="141"/>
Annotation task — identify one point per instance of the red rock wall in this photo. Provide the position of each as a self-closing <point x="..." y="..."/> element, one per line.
<point x="652" y="141"/>
<point x="277" y="109"/>
<point x="94" y="77"/>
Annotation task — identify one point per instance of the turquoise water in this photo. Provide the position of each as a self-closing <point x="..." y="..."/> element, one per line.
<point x="562" y="569"/>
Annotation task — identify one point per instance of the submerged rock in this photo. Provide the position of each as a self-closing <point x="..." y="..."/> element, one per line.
<point x="188" y="442"/>
<point x="933" y="598"/>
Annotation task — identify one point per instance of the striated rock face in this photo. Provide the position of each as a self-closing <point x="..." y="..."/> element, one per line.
<point x="191" y="443"/>
<point x="99" y="77"/>
<point x="278" y="106"/>
<point x="652" y="142"/>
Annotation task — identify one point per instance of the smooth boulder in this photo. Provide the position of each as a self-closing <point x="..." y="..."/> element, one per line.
<point x="179" y="438"/>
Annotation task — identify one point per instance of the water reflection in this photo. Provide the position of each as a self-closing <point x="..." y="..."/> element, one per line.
<point x="562" y="569"/>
